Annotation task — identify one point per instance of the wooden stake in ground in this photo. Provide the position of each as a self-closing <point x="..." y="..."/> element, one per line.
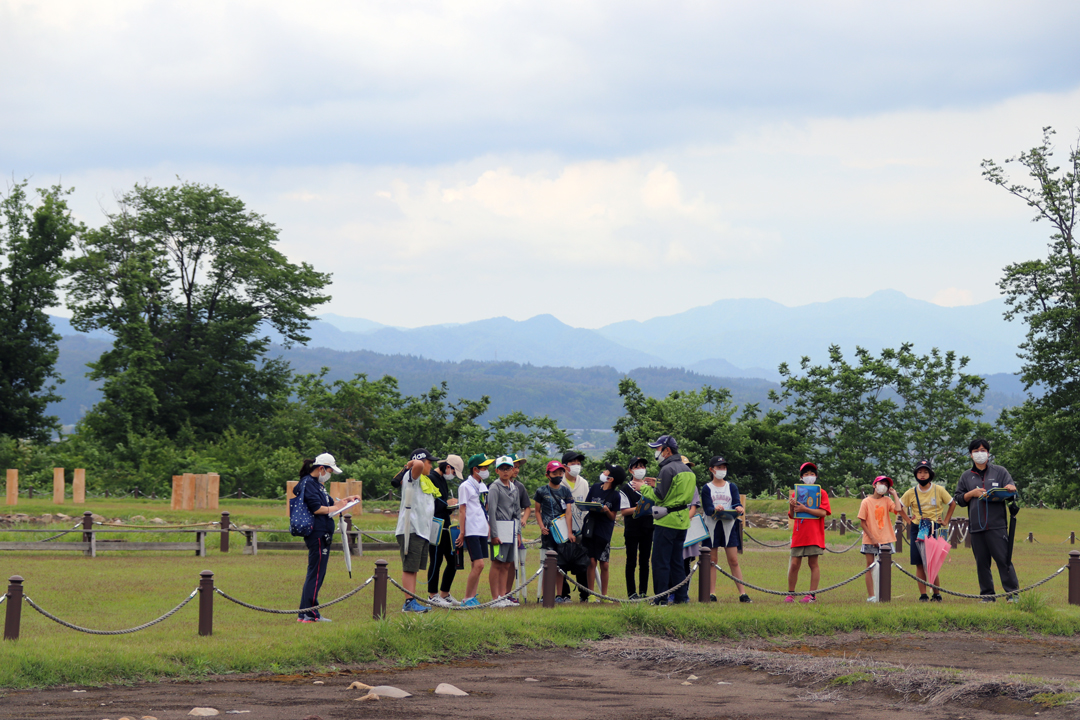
<point x="200" y="491"/>
<point x="213" y="487"/>
<point x="177" y="492"/>
<point x="58" y="486"/>
<point x="78" y="487"/>
<point x="12" y="487"/>
<point x="189" y="492"/>
<point x="355" y="487"/>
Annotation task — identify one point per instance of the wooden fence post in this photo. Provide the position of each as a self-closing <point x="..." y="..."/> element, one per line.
<point x="188" y="502"/>
<point x="12" y="487"/>
<point x="14" y="608"/>
<point x="58" y="486"/>
<point x="225" y="532"/>
<point x="382" y="577"/>
<point x="78" y="487"/>
<point x="551" y="577"/>
<point x="884" y="575"/>
<point x="898" y="530"/>
<point x="1074" y="577"/>
<point x="704" y="575"/>
<point x="843" y="524"/>
<point x="356" y="487"/>
<point x="213" y="489"/>
<point x="206" y="603"/>
<point x="201" y="487"/>
<point x="177" y="492"/>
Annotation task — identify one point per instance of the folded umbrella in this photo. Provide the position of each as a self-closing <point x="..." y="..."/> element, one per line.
<point x="936" y="550"/>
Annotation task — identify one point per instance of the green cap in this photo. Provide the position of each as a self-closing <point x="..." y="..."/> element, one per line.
<point x="478" y="460"/>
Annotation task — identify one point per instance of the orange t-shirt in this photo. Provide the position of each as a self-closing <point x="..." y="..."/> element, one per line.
<point x="875" y="511"/>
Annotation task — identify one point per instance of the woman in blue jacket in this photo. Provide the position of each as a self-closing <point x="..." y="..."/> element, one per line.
<point x="313" y="475"/>
<point x="719" y="494"/>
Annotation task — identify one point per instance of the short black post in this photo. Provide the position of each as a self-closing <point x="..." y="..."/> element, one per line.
<point x="1072" y="538"/>
<point x="954" y="534"/>
<point x="136" y="493"/>
<point x="225" y="532"/>
<point x="705" y="572"/>
<point x="87" y="525"/>
<point x="1074" y="579"/>
<point x="206" y="603"/>
<point x="382" y="578"/>
<point x="898" y="529"/>
<point x="884" y="575"/>
<point x="30" y="492"/>
<point x="14" y="608"/>
<point x="1031" y="537"/>
<point x="843" y="524"/>
<point x="551" y="577"/>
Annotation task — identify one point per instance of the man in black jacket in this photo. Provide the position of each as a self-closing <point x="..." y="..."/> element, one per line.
<point x="637" y="534"/>
<point x="988" y="523"/>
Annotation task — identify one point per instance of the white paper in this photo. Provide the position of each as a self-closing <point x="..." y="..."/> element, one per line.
<point x="347" y="505"/>
<point x="697" y="531"/>
<point x="505" y="530"/>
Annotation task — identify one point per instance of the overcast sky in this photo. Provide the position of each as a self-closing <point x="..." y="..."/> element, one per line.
<point x="597" y="161"/>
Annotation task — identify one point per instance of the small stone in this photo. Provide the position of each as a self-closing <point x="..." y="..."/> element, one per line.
<point x="448" y="689"/>
<point x="318" y="682"/>
<point x="369" y="696"/>
<point x="203" y="712"/>
<point x="684" y="682"/>
<point x="359" y="686"/>
<point x="157" y="521"/>
<point x="723" y="683"/>
<point x="138" y="518"/>
<point x="389" y="691"/>
<point x="236" y="712"/>
<point x="78" y="691"/>
<point x="97" y="518"/>
<point x="531" y="680"/>
<point x="693" y="677"/>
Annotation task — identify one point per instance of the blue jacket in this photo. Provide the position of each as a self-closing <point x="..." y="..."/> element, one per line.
<point x="315" y="497"/>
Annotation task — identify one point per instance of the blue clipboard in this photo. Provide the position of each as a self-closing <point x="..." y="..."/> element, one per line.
<point x="810" y="496"/>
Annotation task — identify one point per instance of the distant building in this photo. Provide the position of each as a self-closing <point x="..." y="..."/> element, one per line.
<point x="585" y="446"/>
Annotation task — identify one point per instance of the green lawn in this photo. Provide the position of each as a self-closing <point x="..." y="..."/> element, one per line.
<point x="119" y="590"/>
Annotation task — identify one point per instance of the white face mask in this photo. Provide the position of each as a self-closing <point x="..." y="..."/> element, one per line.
<point x="808" y="479"/>
<point x="881" y="488"/>
<point x="980" y="457"/>
<point x="657" y="454"/>
<point x="575" y="470"/>
<point x="719" y="474"/>
<point x="448" y="475"/>
<point x="484" y="474"/>
<point x="639" y="473"/>
<point x="604" y="478"/>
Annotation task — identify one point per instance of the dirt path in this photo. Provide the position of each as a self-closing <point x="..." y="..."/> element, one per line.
<point x="605" y="681"/>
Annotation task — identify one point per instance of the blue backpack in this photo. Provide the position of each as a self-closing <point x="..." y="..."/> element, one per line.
<point x="301" y="521"/>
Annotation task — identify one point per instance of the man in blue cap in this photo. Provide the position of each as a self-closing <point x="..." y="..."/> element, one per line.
<point x="672" y="491"/>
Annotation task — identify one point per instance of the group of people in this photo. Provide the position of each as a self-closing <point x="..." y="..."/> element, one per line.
<point x="577" y="520"/>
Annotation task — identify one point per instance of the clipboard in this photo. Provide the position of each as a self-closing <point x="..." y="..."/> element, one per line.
<point x="697" y="531"/>
<point x="589" y="506"/>
<point x="810" y="496"/>
<point x="436" y="530"/>
<point x="558" y="529"/>
<point x="347" y="505"/>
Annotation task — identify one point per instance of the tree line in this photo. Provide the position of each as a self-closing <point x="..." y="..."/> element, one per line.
<point x="187" y="280"/>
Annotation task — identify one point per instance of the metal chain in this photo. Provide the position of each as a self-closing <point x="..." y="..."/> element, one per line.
<point x="111" y="632"/>
<point x="1046" y="579"/>
<point x="751" y="538"/>
<point x="481" y="606"/>
<point x="294" y="611"/>
<point x="65" y="532"/>
<point x="840" y="552"/>
<point x="867" y="569"/>
<point x="693" y="569"/>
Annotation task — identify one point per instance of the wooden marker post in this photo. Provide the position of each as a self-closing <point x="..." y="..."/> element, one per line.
<point x="201" y="484"/>
<point x="189" y="492"/>
<point x="12" y="487"/>
<point x="355" y="487"/>
<point x="177" y="492"/>
<point x="58" y="486"/>
<point x="78" y="487"/>
<point x="213" y="487"/>
<point x="337" y="490"/>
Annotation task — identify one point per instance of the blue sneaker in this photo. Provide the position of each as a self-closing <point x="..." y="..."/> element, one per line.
<point x="412" y="606"/>
<point x="471" y="602"/>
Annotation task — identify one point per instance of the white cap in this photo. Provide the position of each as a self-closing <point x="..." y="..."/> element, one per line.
<point x="504" y="460"/>
<point x="327" y="460"/>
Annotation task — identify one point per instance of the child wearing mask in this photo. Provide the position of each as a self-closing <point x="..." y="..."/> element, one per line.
<point x="572" y="460"/>
<point x="473" y="522"/>
<point x="925" y="502"/>
<point x="722" y="494"/>
<point x="807" y="535"/>
<point x="877" y="528"/>
<point x="637" y="534"/>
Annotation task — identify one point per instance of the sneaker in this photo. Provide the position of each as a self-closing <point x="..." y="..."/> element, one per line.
<point x="670" y="599"/>
<point x="451" y="599"/>
<point x="322" y="619"/>
<point x="789" y="598"/>
<point x="513" y="600"/>
<point x="988" y="600"/>
<point x="935" y="598"/>
<point x="1013" y="598"/>
<point x="561" y="600"/>
<point x="712" y="598"/>
<point x="470" y="602"/>
<point x="872" y="598"/>
<point x="305" y="619"/>
<point x="411" y="605"/>
<point x="438" y="600"/>
<point x="811" y="598"/>
<point x="744" y="598"/>
<point x="504" y="602"/>
<point x="633" y="596"/>
<point x="924" y="598"/>
<point x="592" y="599"/>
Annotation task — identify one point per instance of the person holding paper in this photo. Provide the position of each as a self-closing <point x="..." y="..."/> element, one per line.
<point x="418" y="495"/>
<point x="807" y="530"/>
<point x="979" y="491"/>
<point x="605" y="492"/>
<point x="572" y="460"/>
<point x="672" y="492"/>
<point x="720" y="495"/>
<point x="504" y="511"/>
<point x="925" y="502"/>
<point x="442" y="549"/>
<point x="554" y="506"/>
<point x="313" y="476"/>
<point x="473" y="523"/>
<point x="877" y="528"/>
<point x="637" y="533"/>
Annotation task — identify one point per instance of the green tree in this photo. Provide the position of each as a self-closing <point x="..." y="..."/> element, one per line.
<point x="1045" y="294"/>
<point x="188" y="281"/>
<point x="33" y="241"/>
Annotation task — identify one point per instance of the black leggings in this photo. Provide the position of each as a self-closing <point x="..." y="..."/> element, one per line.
<point x="638" y="550"/>
<point x="445" y="550"/>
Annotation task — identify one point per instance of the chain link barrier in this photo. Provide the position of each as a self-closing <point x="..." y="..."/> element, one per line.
<point x="294" y="611"/>
<point x="481" y="606"/>
<point x="840" y="584"/>
<point x="651" y="598"/>
<point x="61" y="534"/>
<point x="751" y="538"/>
<point x="1046" y="579"/>
<point x="88" y="631"/>
<point x="849" y="547"/>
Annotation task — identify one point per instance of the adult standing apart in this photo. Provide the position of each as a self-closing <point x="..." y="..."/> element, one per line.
<point x="605" y="492"/>
<point x="313" y="476"/>
<point x="987" y="522"/>
<point x="473" y="523"/>
<point x="417" y="509"/>
<point x="926" y="502"/>
<point x="637" y="533"/>
<point x="443" y="549"/>
<point x="672" y="492"/>
<point x="722" y="494"/>
<point x="579" y="486"/>
<point x="504" y="512"/>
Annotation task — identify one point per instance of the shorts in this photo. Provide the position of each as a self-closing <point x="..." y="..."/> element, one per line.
<point x="599" y="549"/>
<point x="807" y="551"/>
<point x="916" y="554"/>
<point x="874" y="549"/>
<point x="477" y="546"/>
<point x="503" y="552"/>
<point x="416" y="560"/>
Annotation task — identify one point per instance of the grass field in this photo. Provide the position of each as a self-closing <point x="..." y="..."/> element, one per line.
<point x="119" y="590"/>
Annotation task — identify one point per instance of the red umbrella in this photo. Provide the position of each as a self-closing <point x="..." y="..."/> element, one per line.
<point x="935" y="550"/>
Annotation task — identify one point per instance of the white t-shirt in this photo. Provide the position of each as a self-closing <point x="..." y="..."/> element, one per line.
<point x="624" y="502"/>
<point x="476" y="523"/>
<point x="721" y="496"/>
<point x="416" y="519"/>
<point x="580" y="491"/>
